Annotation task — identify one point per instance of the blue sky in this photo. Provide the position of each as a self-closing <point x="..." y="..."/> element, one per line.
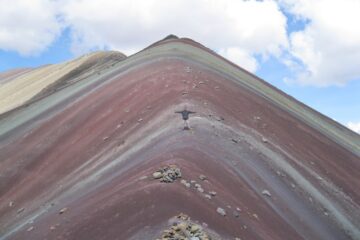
<point x="305" y="52"/>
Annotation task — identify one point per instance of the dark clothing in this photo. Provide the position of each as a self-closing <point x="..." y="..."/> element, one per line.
<point x="185" y="114"/>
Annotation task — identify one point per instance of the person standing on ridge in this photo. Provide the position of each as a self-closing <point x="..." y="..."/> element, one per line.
<point x="185" y="116"/>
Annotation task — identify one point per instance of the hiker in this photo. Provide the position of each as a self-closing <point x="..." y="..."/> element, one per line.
<point x="185" y="116"/>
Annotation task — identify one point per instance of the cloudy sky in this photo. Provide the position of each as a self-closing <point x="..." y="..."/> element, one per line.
<point x="308" y="48"/>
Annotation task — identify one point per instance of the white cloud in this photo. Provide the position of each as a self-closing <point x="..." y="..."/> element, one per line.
<point x="240" y="56"/>
<point x="326" y="52"/>
<point x="354" y="126"/>
<point x="237" y="29"/>
<point x="28" y="27"/>
<point x="329" y="46"/>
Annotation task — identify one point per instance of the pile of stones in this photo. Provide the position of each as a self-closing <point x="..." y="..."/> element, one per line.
<point x="184" y="229"/>
<point x="167" y="174"/>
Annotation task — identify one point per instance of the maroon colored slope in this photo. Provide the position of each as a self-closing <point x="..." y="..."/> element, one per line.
<point x="88" y="156"/>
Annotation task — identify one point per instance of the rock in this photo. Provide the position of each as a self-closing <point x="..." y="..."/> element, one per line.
<point x="194" y="228"/>
<point x="63" y="210"/>
<point x="234" y="140"/>
<point x="52" y="228"/>
<point x="20" y="210"/>
<point x="197" y="185"/>
<point x="236" y="214"/>
<point x="208" y="196"/>
<point x="200" y="189"/>
<point x="221" y="211"/>
<point x="264" y="140"/>
<point x="238" y="209"/>
<point x="202" y="177"/>
<point x="266" y="193"/>
<point x="167" y="174"/>
<point x="212" y="193"/>
<point x="157" y="175"/>
<point x="30" y="228"/>
<point x="11" y="204"/>
<point x="255" y="216"/>
<point x="185" y="183"/>
<point x="192" y="181"/>
<point x="143" y="177"/>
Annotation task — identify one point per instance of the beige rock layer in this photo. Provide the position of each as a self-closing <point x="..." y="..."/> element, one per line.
<point x="16" y="92"/>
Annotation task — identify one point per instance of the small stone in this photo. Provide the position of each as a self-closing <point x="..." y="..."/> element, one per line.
<point x="255" y="216"/>
<point x="266" y="193"/>
<point x="208" y="196"/>
<point x="105" y="138"/>
<point x="293" y="185"/>
<point x="212" y="193"/>
<point x="30" y="228"/>
<point x="202" y="177"/>
<point x="63" y="210"/>
<point x="194" y="228"/>
<point x="221" y="211"/>
<point x="157" y="175"/>
<point x="143" y="177"/>
<point x="238" y="209"/>
<point x="234" y="140"/>
<point x="197" y="185"/>
<point x="236" y="214"/>
<point x="185" y="183"/>
<point x="52" y="228"/>
<point x="192" y="181"/>
<point x="200" y="189"/>
<point x="140" y="120"/>
<point x="264" y="140"/>
<point x="20" y="210"/>
<point x="11" y="204"/>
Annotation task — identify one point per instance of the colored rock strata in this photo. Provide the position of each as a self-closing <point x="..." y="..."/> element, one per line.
<point x="94" y="149"/>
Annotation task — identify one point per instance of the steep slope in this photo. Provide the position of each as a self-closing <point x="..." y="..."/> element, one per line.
<point x="78" y="163"/>
<point x="24" y="87"/>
